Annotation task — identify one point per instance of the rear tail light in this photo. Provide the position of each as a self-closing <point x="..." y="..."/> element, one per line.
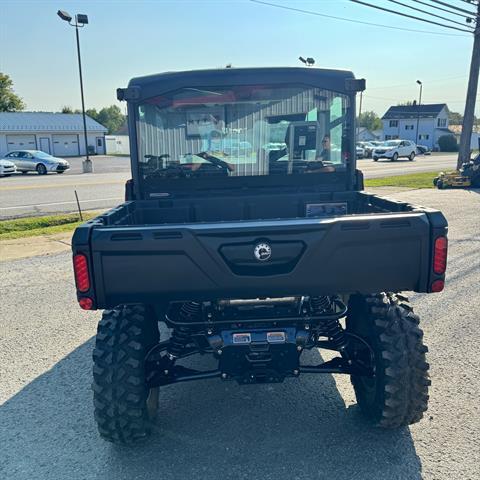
<point x="437" y="286"/>
<point x="80" y="267"/>
<point x="440" y="255"/>
<point x="86" y="303"/>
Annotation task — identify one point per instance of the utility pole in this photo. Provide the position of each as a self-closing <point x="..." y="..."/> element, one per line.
<point x="418" y="112"/>
<point x="468" y="116"/>
<point x="359" y="115"/>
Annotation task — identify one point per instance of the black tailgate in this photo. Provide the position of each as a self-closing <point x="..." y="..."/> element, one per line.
<point x="361" y="253"/>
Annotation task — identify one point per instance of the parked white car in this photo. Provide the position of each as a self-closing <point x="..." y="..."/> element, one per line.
<point x="36" y="161"/>
<point x="360" y="151"/>
<point x="394" y="149"/>
<point x="7" y="168"/>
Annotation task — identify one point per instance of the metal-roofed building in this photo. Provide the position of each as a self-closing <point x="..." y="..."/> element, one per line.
<point x="60" y="134"/>
<point x="401" y="122"/>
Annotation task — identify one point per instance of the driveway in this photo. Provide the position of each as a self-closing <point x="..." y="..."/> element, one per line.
<point x="307" y="428"/>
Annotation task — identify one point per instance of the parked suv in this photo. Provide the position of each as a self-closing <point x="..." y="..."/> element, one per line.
<point x="394" y="149"/>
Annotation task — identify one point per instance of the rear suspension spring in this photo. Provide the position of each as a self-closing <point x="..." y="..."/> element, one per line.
<point x="333" y="329"/>
<point x="189" y="312"/>
<point x="321" y="304"/>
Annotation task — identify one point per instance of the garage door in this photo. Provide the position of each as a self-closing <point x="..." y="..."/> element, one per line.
<point x="65" y="145"/>
<point x="21" y="142"/>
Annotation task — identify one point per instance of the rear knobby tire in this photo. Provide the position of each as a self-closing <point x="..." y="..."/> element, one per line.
<point x="397" y="395"/>
<point x="124" y="407"/>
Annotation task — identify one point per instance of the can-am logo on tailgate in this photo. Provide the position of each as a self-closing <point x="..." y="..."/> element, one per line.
<point x="262" y="251"/>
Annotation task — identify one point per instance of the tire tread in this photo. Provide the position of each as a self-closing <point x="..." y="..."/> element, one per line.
<point x="124" y="336"/>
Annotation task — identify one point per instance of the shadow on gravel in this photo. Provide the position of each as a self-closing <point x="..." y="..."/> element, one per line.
<point x="300" y="429"/>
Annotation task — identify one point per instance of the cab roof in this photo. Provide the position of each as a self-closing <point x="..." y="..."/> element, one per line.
<point x="153" y="85"/>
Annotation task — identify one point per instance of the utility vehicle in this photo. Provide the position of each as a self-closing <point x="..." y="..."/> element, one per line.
<point x="246" y="231"/>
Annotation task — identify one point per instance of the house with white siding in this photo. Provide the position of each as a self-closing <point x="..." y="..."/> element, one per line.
<point x="402" y="122"/>
<point x="60" y="134"/>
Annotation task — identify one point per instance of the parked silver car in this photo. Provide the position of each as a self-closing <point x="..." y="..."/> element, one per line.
<point x="36" y="161"/>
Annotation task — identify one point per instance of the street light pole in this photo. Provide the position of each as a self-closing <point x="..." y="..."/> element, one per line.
<point x="80" y="21"/>
<point x="418" y="114"/>
<point x="87" y="164"/>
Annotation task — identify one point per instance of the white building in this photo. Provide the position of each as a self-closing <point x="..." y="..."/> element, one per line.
<point x="60" y="134"/>
<point x="117" y="144"/>
<point x="365" y="135"/>
<point x="401" y="122"/>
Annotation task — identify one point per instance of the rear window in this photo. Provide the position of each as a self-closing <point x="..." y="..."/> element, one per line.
<point x="243" y="131"/>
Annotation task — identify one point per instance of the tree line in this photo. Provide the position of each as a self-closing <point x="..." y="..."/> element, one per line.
<point x="110" y="117"/>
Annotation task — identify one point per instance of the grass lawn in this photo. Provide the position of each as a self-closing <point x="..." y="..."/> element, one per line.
<point x="30" y="227"/>
<point x="412" y="180"/>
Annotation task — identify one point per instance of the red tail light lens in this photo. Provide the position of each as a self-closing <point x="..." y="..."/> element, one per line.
<point x="80" y="267"/>
<point x="440" y="255"/>
<point x="86" y="303"/>
<point x="437" y="286"/>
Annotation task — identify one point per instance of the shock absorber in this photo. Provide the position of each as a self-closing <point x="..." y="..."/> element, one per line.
<point x="190" y="312"/>
<point x="321" y="304"/>
<point x="333" y="329"/>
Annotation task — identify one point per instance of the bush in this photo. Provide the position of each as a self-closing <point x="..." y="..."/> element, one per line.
<point x="448" y="143"/>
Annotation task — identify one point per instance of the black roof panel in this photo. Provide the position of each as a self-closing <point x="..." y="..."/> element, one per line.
<point x="409" y="111"/>
<point x="153" y="85"/>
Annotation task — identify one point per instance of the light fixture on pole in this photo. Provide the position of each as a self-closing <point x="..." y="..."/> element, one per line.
<point x="309" y="61"/>
<point x="80" y="21"/>
<point x="418" y="109"/>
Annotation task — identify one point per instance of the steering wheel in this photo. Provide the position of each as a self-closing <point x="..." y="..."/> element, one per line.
<point x="216" y="161"/>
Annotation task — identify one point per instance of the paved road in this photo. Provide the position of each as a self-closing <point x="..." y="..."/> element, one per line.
<point x="304" y="429"/>
<point x="34" y="195"/>
<point x="428" y="163"/>
<point x="23" y="195"/>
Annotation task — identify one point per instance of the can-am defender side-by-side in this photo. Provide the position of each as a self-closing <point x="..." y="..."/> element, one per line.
<point x="247" y="232"/>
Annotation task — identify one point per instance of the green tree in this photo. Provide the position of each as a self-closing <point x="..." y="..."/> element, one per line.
<point x="9" y="100"/>
<point x="67" y="109"/>
<point x="455" y="118"/>
<point x="92" y="113"/>
<point x="448" y="143"/>
<point x="369" y="120"/>
<point x="111" y="117"/>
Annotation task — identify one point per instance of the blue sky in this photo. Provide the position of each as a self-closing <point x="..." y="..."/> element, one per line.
<point x="127" y="38"/>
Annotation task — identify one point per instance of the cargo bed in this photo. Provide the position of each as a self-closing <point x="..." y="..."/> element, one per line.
<point x="202" y="248"/>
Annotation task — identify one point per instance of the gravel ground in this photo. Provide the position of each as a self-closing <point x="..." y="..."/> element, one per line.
<point x="303" y="429"/>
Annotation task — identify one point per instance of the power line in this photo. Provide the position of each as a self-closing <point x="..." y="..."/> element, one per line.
<point x="318" y="14"/>
<point x="428" y="13"/>
<point x="409" y="16"/>
<point x="442" y="9"/>
<point x="469" y="12"/>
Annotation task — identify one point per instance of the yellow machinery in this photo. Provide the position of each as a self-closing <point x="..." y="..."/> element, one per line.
<point x="467" y="176"/>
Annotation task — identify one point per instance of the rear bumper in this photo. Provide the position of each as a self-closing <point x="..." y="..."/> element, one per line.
<point x="361" y="253"/>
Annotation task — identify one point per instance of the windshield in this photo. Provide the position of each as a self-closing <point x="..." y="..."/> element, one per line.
<point x="242" y="131"/>
<point x="392" y="143"/>
<point x="40" y="154"/>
